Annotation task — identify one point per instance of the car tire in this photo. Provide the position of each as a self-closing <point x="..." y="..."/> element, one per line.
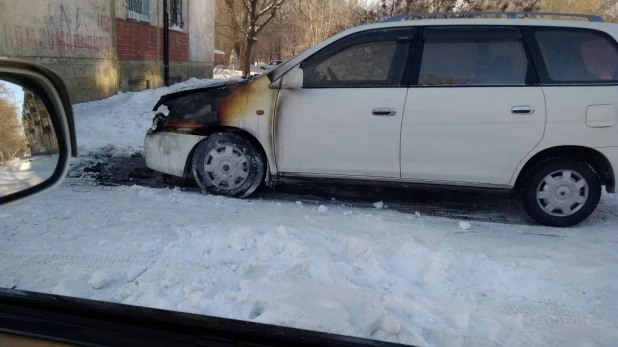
<point x="228" y="164"/>
<point x="560" y="192"/>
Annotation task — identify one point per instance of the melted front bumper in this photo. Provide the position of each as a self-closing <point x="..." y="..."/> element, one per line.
<point x="168" y="152"/>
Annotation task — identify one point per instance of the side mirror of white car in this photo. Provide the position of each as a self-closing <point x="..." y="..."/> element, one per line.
<point x="37" y="133"/>
<point x="293" y="79"/>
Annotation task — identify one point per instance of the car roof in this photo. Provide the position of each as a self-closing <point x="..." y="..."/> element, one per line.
<point x="486" y="21"/>
<point x="602" y="26"/>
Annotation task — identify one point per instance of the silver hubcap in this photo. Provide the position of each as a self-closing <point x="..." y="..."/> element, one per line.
<point x="562" y="193"/>
<point x="226" y="167"/>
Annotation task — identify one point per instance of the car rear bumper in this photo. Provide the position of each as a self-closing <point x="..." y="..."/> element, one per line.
<point x="611" y="153"/>
<point x="168" y="152"/>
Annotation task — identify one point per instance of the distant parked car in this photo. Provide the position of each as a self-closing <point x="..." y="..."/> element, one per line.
<point x="265" y="67"/>
<point x="273" y="64"/>
<point x="521" y="104"/>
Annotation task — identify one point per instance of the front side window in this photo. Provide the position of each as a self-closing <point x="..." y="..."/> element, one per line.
<point x="367" y="64"/>
<point x="472" y="61"/>
<point x="577" y="56"/>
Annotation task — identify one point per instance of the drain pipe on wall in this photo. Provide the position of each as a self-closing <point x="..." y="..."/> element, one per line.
<point x="166" y="44"/>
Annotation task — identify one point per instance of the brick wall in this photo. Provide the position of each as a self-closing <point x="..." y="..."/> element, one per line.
<point x="138" y="42"/>
<point x="179" y="46"/>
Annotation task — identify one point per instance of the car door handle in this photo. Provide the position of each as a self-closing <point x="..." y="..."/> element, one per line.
<point x="522" y="109"/>
<point x="384" y="111"/>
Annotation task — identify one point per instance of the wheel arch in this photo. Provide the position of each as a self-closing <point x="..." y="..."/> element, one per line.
<point x="591" y="156"/>
<point x="224" y="129"/>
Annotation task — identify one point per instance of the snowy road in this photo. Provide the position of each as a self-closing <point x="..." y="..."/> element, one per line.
<point x="366" y="272"/>
<point x="23" y="173"/>
<point x="363" y="272"/>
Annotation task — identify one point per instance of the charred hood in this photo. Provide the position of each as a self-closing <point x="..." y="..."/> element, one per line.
<point x="222" y="88"/>
<point x="195" y="109"/>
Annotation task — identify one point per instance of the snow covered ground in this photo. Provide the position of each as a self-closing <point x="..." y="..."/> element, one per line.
<point x="23" y="173"/>
<point x="371" y="273"/>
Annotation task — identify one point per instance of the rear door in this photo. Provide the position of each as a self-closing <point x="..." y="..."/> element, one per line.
<point x="477" y="109"/>
<point x="578" y="69"/>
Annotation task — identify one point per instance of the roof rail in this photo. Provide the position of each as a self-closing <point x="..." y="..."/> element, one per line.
<point x="511" y="15"/>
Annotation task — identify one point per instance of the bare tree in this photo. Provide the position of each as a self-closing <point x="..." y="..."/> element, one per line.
<point x="286" y="28"/>
<point x="248" y="18"/>
<point x="12" y="140"/>
<point x="604" y="8"/>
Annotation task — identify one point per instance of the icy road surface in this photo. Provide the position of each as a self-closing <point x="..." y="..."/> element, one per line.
<point x="369" y="272"/>
<point x="23" y="173"/>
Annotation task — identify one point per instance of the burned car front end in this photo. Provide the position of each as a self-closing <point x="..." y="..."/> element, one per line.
<point x="187" y="116"/>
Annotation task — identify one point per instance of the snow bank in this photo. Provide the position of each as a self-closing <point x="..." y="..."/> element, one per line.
<point x="370" y="273"/>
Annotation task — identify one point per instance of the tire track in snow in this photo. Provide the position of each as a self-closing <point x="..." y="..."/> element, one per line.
<point x="550" y="315"/>
<point x="83" y="262"/>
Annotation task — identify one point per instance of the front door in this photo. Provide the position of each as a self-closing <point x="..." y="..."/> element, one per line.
<point x="477" y="110"/>
<point x="346" y="119"/>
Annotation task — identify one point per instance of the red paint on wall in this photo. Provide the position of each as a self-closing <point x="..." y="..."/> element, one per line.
<point x="17" y="37"/>
<point x="138" y="41"/>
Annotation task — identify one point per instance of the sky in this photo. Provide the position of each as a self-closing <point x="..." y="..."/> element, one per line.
<point x="18" y="94"/>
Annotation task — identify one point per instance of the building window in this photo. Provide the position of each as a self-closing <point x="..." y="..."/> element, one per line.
<point x="175" y="10"/>
<point x="138" y="10"/>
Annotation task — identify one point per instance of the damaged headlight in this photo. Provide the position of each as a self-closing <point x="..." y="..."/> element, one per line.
<point x="157" y="121"/>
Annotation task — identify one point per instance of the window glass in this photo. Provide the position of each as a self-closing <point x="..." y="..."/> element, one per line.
<point x="365" y="64"/>
<point x="577" y="56"/>
<point x="138" y="10"/>
<point x="175" y="11"/>
<point x="473" y="62"/>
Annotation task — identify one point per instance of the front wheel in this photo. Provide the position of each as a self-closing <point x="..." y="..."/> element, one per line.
<point x="228" y="164"/>
<point x="560" y="192"/>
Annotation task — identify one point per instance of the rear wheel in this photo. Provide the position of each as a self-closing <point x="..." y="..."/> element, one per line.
<point x="560" y="192"/>
<point x="228" y="164"/>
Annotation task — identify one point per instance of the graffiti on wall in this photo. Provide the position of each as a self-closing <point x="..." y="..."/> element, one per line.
<point x="60" y="28"/>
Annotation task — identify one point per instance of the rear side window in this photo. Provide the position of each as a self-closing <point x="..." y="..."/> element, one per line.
<point x="473" y="60"/>
<point x="367" y="64"/>
<point x="577" y="56"/>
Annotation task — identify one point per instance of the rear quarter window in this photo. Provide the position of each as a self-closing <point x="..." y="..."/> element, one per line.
<point x="577" y="56"/>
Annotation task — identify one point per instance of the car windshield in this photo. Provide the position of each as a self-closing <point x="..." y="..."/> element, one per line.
<point x="429" y="185"/>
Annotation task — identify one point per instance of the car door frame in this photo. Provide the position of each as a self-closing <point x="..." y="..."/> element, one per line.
<point x="371" y="35"/>
<point x="532" y="79"/>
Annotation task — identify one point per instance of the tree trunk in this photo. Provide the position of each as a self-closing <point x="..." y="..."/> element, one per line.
<point x="245" y="57"/>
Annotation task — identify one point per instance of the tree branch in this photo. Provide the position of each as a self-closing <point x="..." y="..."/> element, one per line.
<point x="263" y="25"/>
<point x="230" y="6"/>
<point x="247" y="4"/>
<point x="270" y="8"/>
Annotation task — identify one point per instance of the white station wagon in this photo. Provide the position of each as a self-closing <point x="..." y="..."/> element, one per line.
<point x="500" y="103"/>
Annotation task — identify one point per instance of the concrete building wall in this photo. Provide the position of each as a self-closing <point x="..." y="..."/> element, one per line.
<point x="201" y="38"/>
<point x="98" y="48"/>
<point x="74" y="38"/>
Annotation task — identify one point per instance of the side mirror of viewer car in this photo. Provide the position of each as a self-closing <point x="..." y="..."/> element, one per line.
<point x="293" y="79"/>
<point x="37" y="133"/>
